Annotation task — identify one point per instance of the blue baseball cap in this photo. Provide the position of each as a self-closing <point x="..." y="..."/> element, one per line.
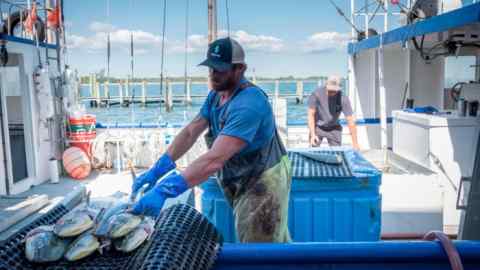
<point x="223" y="53"/>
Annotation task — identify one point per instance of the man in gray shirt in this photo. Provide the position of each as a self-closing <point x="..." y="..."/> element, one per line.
<point x="324" y="108"/>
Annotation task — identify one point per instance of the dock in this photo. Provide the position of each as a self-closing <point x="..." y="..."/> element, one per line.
<point x="136" y="92"/>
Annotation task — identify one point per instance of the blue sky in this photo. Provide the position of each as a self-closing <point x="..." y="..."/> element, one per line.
<point x="283" y="37"/>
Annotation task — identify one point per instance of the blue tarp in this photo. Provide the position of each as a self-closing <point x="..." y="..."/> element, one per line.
<point x="454" y="19"/>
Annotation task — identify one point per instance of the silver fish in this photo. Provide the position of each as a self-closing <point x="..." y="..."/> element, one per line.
<point x="42" y="245"/>
<point x="76" y="221"/>
<point x="103" y="227"/>
<point x="122" y="223"/>
<point x="137" y="237"/>
<point x="107" y="219"/>
<point x="82" y="247"/>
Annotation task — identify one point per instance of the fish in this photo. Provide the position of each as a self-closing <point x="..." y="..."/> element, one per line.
<point x="83" y="246"/>
<point x="121" y="209"/>
<point x="43" y="245"/>
<point x="103" y="228"/>
<point x="76" y="221"/>
<point x="73" y="223"/>
<point x="137" y="237"/>
<point x="122" y="223"/>
<point x="329" y="158"/>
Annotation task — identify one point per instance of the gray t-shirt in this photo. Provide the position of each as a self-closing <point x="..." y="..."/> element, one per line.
<point x="329" y="108"/>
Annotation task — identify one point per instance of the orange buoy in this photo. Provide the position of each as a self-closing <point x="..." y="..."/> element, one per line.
<point x="76" y="163"/>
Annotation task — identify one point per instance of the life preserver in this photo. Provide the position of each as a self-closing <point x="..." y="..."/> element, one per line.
<point x="14" y="19"/>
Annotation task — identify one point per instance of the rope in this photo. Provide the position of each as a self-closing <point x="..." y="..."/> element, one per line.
<point x="447" y="245"/>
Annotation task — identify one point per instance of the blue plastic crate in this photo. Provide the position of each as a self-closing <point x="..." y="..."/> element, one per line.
<point x="343" y="206"/>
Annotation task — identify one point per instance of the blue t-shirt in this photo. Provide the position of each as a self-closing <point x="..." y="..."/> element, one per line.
<point x="247" y="116"/>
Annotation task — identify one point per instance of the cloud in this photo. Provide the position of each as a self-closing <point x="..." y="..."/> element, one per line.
<point x="101" y="27"/>
<point x="254" y="42"/>
<point x="323" y="42"/>
<point x="146" y="41"/>
<point x="119" y="39"/>
<point x="250" y="42"/>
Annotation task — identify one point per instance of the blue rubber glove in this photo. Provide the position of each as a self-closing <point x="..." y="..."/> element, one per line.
<point x="152" y="202"/>
<point x="163" y="165"/>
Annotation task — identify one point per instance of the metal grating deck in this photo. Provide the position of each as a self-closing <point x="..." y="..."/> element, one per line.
<point x="303" y="167"/>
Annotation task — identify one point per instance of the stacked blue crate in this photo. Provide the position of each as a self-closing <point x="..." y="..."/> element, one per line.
<point x="327" y="202"/>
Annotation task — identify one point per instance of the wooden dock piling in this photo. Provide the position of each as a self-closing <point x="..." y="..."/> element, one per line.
<point x="277" y="89"/>
<point x="144" y="93"/>
<point x="188" y="92"/>
<point x="299" y="92"/>
<point x="98" y="99"/>
<point x="168" y="97"/>
<point x="106" y="93"/>
<point x="120" y="92"/>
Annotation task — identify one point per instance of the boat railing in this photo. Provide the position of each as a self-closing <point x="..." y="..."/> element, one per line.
<point x="9" y="7"/>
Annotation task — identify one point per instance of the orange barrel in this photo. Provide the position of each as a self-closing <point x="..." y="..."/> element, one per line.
<point x="81" y="132"/>
<point x="76" y="163"/>
<point x="89" y="122"/>
<point x="75" y="124"/>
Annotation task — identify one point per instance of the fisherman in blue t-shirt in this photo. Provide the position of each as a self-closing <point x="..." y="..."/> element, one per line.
<point x="244" y="150"/>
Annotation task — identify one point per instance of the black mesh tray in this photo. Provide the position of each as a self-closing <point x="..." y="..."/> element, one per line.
<point x="183" y="239"/>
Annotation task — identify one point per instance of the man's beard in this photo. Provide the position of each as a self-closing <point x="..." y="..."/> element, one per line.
<point x="229" y="84"/>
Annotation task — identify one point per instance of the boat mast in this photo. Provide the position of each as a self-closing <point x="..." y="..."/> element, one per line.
<point x="212" y="20"/>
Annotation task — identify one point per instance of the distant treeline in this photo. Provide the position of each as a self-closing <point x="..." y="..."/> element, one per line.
<point x="86" y="79"/>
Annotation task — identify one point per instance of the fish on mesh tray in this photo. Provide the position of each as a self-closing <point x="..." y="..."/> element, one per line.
<point x="137" y="237"/>
<point x="83" y="246"/>
<point x="122" y="224"/>
<point x="43" y="245"/>
<point x="76" y="221"/>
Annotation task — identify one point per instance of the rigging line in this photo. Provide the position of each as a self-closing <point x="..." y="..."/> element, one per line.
<point x="341" y="13"/>
<point x="228" y="17"/>
<point x="374" y="13"/>
<point x="187" y="8"/>
<point x="163" y="45"/>
<point x="364" y="8"/>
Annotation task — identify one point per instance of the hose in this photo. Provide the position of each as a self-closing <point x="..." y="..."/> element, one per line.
<point x="447" y="244"/>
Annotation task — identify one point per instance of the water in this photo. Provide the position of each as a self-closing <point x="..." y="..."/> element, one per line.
<point x="181" y="114"/>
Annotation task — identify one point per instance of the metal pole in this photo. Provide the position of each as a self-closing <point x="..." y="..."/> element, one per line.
<point x="385" y="18"/>
<point x="212" y="20"/>
<point x="351" y="62"/>
<point x="383" y="100"/>
<point x="367" y="19"/>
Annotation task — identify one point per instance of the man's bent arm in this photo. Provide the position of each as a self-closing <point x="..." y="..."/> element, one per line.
<point x="353" y="131"/>
<point x="311" y="121"/>
<point x="207" y="164"/>
<point x="187" y="137"/>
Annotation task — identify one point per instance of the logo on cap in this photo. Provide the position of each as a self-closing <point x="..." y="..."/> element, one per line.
<point x="216" y="51"/>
